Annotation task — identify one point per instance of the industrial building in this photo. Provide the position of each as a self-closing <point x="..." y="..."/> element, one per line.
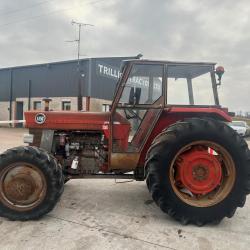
<point x="87" y="84"/>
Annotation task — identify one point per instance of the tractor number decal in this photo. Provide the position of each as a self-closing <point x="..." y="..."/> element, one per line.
<point x="40" y="118"/>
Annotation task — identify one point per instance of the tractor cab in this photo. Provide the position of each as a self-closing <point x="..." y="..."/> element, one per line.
<point x="149" y="92"/>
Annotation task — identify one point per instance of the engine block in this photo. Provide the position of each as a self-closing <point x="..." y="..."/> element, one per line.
<point x="80" y="152"/>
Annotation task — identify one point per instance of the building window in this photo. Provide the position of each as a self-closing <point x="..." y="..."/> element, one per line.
<point x="105" y="107"/>
<point x="37" y="105"/>
<point x="66" y="105"/>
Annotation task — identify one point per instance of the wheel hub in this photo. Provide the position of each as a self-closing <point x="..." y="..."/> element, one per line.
<point x="198" y="171"/>
<point x="22" y="186"/>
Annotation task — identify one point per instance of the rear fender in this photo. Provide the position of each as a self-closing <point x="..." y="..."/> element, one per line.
<point x="172" y="115"/>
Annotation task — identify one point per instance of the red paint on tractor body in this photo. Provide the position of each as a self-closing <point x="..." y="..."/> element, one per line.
<point x="87" y="121"/>
<point x="65" y="120"/>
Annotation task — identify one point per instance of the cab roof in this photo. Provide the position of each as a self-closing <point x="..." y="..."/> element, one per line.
<point x="168" y="62"/>
<point x="177" y="69"/>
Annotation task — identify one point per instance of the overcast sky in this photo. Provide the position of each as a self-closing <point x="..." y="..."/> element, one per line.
<point x="35" y="31"/>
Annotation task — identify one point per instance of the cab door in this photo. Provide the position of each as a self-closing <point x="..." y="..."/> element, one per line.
<point x="137" y="106"/>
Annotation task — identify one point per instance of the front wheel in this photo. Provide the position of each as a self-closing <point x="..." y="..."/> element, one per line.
<point x="31" y="182"/>
<point x="198" y="171"/>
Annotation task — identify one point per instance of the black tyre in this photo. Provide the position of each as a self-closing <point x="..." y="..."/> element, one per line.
<point x="31" y="183"/>
<point x="198" y="171"/>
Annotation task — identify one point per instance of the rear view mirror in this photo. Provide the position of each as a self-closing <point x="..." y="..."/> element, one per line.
<point x="131" y="96"/>
<point x="134" y="96"/>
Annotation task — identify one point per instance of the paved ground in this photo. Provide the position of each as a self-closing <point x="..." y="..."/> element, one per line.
<point x="102" y="214"/>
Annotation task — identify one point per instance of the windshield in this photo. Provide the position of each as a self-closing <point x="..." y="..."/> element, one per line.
<point x="190" y="84"/>
<point x="144" y="85"/>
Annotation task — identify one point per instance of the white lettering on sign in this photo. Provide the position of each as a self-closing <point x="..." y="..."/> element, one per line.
<point x="108" y="71"/>
<point x="136" y="81"/>
<point x="144" y="83"/>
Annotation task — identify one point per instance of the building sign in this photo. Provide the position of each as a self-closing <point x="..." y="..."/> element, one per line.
<point x="108" y="71"/>
<point x="135" y="81"/>
<point x="143" y="82"/>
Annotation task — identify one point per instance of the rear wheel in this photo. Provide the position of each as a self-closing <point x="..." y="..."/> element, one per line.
<point x="31" y="182"/>
<point x="198" y="171"/>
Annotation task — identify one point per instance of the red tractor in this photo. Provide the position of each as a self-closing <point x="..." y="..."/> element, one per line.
<point x="196" y="167"/>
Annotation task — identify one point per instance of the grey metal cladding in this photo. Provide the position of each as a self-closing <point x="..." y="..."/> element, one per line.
<point x="4" y="85"/>
<point x="52" y="80"/>
<point x="62" y="79"/>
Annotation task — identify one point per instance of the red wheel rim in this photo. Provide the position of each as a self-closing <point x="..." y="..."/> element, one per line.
<point x="199" y="171"/>
<point x="202" y="173"/>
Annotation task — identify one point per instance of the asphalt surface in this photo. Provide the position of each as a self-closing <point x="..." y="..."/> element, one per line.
<point x="103" y="214"/>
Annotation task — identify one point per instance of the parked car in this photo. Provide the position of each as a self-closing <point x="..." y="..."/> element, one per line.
<point x="240" y="127"/>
